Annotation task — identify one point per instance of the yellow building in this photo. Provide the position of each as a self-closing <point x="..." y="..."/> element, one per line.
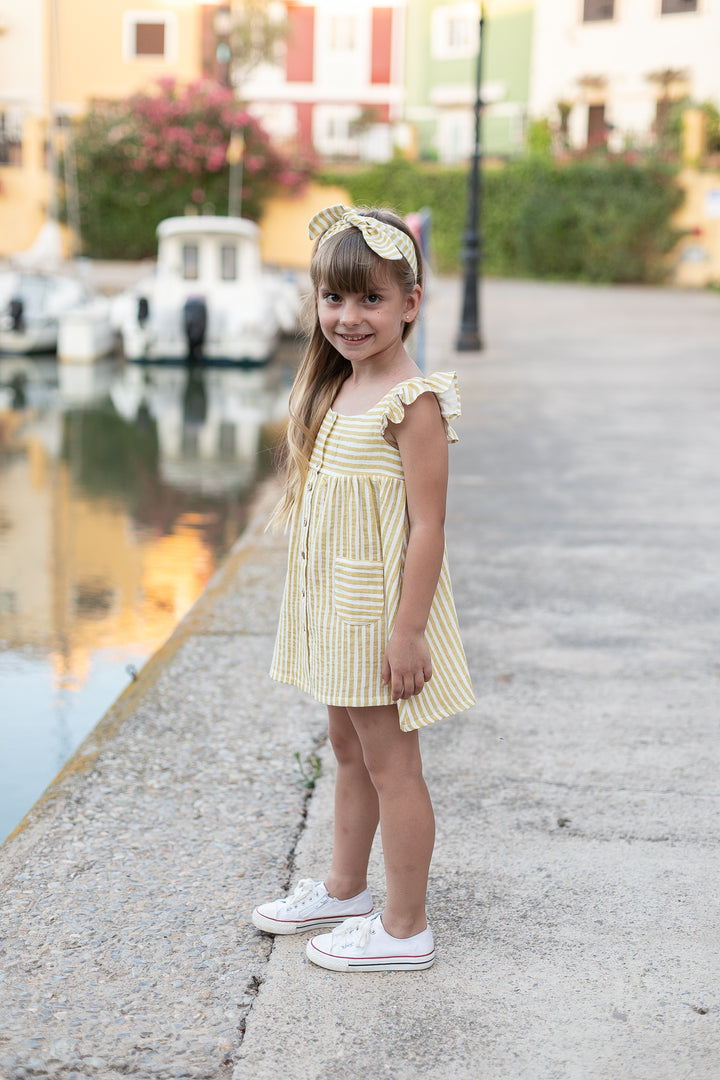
<point x="57" y="56"/>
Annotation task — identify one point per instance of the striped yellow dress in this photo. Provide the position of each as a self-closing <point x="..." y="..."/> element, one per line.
<point x="345" y="569"/>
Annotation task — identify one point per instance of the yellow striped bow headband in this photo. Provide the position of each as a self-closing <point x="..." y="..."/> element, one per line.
<point x="385" y="240"/>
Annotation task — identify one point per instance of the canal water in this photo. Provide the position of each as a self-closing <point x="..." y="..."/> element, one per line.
<point x="121" y="489"/>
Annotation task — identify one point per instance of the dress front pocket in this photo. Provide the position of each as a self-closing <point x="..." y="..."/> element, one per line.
<point x="358" y="591"/>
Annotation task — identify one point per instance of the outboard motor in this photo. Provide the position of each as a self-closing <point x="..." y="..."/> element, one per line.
<point x="16" y="308"/>
<point x="143" y="310"/>
<point x="195" y="323"/>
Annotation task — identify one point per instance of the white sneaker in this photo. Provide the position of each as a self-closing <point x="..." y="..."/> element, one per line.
<point x="365" y="945"/>
<point x="309" y="907"/>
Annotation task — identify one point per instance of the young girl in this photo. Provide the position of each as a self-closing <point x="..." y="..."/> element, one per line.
<point x="368" y="624"/>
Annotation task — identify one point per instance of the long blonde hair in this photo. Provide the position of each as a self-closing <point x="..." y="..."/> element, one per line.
<point x="344" y="263"/>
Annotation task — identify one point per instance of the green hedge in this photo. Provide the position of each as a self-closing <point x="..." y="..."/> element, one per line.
<point x="588" y="220"/>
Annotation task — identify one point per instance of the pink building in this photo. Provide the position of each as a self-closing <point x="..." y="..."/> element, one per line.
<point x="337" y="86"/>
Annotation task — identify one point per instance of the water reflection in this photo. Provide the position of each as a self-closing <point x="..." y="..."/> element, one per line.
<point x="120" y="489"/>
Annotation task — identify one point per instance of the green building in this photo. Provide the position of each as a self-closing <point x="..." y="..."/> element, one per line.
<point x="441" y="69"/>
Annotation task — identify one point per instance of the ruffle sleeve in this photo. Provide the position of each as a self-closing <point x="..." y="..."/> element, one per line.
<point x="443" y="384"/>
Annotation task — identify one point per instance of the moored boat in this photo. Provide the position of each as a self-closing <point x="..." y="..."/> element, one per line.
<point x="209" y="301"/>
<point x="31" y="306"/>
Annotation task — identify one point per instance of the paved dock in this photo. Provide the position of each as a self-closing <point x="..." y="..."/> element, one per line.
<point x="575" y="887"/>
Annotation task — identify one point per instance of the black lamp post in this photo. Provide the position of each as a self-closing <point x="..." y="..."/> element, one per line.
<point x="470" y="339"/>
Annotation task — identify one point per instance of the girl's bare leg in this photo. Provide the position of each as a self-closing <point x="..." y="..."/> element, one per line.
<point x="393" y="763"/>
<point x="356" y="810"/>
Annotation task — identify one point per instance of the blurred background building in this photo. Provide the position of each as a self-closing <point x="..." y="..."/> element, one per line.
<point x="441" y="56"/>
<point x="609" y="71"/>
<point x="58" y="56"/>
<point x="356" y="80"/>
<point x="348" y="79"/>
<point x="336" y="84"/>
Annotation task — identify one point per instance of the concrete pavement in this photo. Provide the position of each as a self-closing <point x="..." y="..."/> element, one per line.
<point x="575" y="887"/>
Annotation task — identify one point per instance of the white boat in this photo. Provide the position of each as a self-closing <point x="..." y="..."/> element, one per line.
<point x="47" y="305"/>
<point x="209" y="301"/>
<point x="31" y="306"/>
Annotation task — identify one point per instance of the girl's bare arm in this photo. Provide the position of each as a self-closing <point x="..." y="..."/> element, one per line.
<point x="422" y="443"/>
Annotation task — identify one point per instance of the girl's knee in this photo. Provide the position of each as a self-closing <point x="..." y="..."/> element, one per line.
<point x="394" y="771"/>
<point x="343" y="737"/>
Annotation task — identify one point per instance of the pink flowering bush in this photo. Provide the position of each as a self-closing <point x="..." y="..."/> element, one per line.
<point x="154" y="155"/>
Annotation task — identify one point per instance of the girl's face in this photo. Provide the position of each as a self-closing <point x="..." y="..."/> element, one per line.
<point x="367" y="326"/>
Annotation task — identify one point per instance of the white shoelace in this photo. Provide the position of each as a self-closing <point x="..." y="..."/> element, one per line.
<point x="354" y="931"/>
<point x="302" y="891"/>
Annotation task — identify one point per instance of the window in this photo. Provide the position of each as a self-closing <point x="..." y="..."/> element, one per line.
<point x="676" y="7"/>
<point x="228" y="262"/>
<point x="331" y="129"/>
<point x="338" y="128"/>
<point x="459" y="34"/>
<point x="190" y="262"/>
<point x="10" y="138"/>
<point x="454" y="31"/>
<point x="343" y="33"/>
<point x="598" y="10"/>
<point x="150" y="35"/>
<point x="150" y="39"/>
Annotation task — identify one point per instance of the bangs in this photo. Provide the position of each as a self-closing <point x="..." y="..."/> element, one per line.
<point x="346" y="264"/>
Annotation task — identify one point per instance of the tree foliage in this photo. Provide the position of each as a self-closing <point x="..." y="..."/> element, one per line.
<point x="254" y="32"/>
<point x="158" y="154"/>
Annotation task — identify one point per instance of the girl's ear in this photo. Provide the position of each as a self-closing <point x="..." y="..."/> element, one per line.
<point x="412" y="303"/>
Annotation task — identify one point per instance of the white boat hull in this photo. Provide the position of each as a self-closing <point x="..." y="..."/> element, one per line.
<point x="31" y="306"/>
<point x="36" y="339"/>
<point x="209" y="302"/>
<point x="145" y="348"/>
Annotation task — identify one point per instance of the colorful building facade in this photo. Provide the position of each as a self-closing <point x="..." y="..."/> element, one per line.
<point x="608" y="71"/>
<point x="56" y="57"/>
<point x="441" y="70"/>
<point x="337" y="86"/>
<point x="359" y="80"/>
<point x="351" y="80"/>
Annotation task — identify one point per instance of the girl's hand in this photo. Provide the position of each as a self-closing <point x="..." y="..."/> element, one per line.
<point x="406" y="665"/>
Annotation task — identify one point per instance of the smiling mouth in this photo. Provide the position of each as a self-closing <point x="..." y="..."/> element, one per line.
<point x="354" y="337"/>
